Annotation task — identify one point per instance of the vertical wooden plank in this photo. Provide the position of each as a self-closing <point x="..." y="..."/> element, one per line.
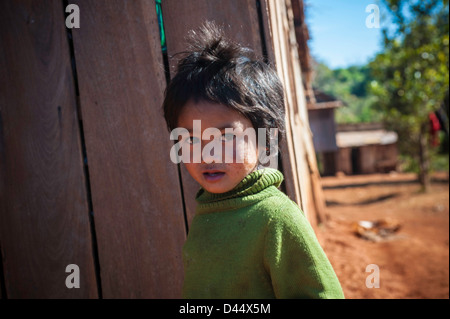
<point x="278" y="26"/>
<point x="314" y="199"/>
<point x="44" y="218"/>
<point x="238" y="17"/>
<point x="273" y="27"/>
<point x="3" y="211"/>
<point x="299" y="118"/>
<point x="268" y="33"/>
<point x="135" y="187"/>
<point x="305" y="186"/>
<point x="240" y="21"/>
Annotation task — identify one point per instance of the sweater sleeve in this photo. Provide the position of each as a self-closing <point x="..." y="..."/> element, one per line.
<point x="294" y="259"/>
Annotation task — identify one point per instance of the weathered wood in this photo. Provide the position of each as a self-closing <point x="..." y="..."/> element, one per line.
<point x="302" y="133"/>
<point x="323" y="126"/>
<point x="44" y="218"/>
<point x="238" y="17"/>
<point x="301" y="166"/>
<point x="240" y="21"/>
<point x="135" y="187"/>
<point x="278" y="39"/>
<point x="136" y="192"/>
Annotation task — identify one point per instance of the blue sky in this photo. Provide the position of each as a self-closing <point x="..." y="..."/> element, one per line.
<point x="339" y="36"/>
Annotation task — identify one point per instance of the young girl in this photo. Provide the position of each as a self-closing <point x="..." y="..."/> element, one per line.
<point x="247" y="239"/>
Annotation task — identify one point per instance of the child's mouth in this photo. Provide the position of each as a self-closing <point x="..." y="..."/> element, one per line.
<point x="213" y="176"/>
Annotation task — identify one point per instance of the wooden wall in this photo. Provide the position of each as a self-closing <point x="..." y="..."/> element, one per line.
<point x="44" y="221"/>
<point x="367" y="159"/>
<point x="85" y="175"/>
<point x="323" y="127"/>
<point x="299" y="161"/>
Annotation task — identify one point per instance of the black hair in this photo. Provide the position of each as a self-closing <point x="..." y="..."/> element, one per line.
<point x="217" y="70"/>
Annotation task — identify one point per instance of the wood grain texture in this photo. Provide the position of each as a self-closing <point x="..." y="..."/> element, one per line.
<point x="310" y="181"/>
<point x="273" y="36"/>
<point x="277" y="18"/>
<point x="239" y="18"/>
<point x="303" y="182"/>
<point x="44" y="218"/>
<point x="135" y="187"/>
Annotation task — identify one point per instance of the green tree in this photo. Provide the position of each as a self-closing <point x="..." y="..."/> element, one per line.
<point x="411" y="75"/>
<point x="350" y="86"/>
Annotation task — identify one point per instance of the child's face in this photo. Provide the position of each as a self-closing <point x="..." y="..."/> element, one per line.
<point x="220" y="175"/>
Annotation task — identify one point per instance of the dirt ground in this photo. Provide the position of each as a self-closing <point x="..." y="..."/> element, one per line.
<point x="413" y="261"/>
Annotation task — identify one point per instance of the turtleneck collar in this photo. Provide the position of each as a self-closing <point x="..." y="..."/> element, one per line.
<point x="251" y="189"/>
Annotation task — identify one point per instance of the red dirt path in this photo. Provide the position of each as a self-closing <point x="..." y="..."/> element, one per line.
<point x="414" y="263"/>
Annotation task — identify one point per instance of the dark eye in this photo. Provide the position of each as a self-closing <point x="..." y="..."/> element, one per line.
<point x="227" y="137"/>
<point x="192" y="140"/>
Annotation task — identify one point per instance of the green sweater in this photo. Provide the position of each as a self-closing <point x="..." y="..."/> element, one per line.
<point x="253" y="242"/>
